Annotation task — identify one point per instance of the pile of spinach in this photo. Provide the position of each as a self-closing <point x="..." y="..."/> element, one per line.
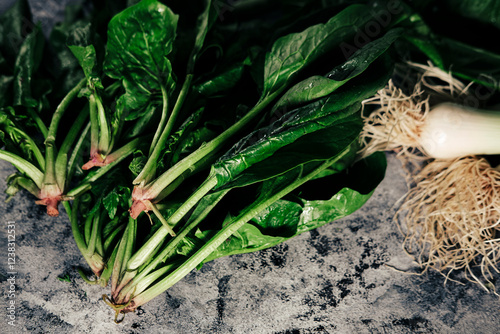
<point x="200" y="130"/>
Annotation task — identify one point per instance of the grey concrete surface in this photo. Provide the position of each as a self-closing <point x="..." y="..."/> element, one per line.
<point x="337" y="279"/>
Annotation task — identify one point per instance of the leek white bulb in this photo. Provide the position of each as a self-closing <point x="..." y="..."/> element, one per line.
<point x="451" y="131"/>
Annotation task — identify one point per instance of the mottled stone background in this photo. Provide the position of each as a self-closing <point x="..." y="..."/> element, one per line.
<point x="337" y="279"/>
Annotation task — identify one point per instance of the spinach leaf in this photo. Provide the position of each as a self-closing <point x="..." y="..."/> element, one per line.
<point x="317" y="87"/>
<point x="302" y="134"/>
<point x="291" y="53"/>
<point x="118" y="197"/>
<point x="293" y="215"/>
<point x="81" y="43"/>
<point x="172" y="152"/>
<point x="487" y="11"/>
<point x="139" y="40"/>
<point x="17" y="139"/>
<point x="15" y="25"/>
<point x="203" y="24"/>
<point x="470" y="62"/>
<point x="462" y="59"/>
<point x="223" y="81"/>
<point x="27" y="62"/>
<point x="282" y="147"/>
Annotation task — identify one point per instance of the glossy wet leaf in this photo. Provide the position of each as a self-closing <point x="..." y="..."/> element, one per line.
<point x="285" y="148"/>
<point x="317" y="87"/>
<point x="293" y="52"/>
<point x="302" y="134"/>
<point x="140" y="39"/>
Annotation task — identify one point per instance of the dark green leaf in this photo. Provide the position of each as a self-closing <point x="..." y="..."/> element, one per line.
<point x="15" y="25"/>
<point x="137" y="163"/>
<point x="27" y="62"/>
<point x="204" y="22"/>
<point x="290" y="140"/>
<point x="222" y="81"/>
<point x="281" y="147"/>
<point x="176" y="144"/>
<point x="345" y="193"/>
<point x="15" y="136"/>
<point x="293" y="52"/>
<point x="139" y="40"/>
<point x="317" y="86"/>
<point x="487" y="11"/>
<point x="118" y="197"/>
<point x="80" y="42"/>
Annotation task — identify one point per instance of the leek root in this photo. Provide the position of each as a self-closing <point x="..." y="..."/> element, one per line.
<point x="450" y="217"/>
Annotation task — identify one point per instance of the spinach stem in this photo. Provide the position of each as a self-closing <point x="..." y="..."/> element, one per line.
<point x="147" y="280"/>
<point x="125" y="250"/>
<point x="29" y="185"/>
<point x="149" y="168"/>
<point x="108" y="268"/>
<point x="24" y="166"/>
<point x="162" y="219"/>
<point x="94" y="125"/>
<point x="77" y="234"/>
<point x="117" y="264"/>
<point x="154" y="188"/>
<point x="111" y="238"/>
<point x="50" y="150"/>
<point x="222" y="235"/>
<point x="96" y="230"/>
<point x="172" y="244"/>
<point x="40" y="159"/>
<point x="117" y="157"/>
<point x="84" y="277"/>
<point x="94" y="261"/>
<point x="163" y="119"/>
<point x="144" y="253"/>
<point x="61" y="165"/>
<point x="104" y="133"/>
<point x="87" y="228"/>
<point x="75" y="154"/>
<point x="41" y="126"/>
